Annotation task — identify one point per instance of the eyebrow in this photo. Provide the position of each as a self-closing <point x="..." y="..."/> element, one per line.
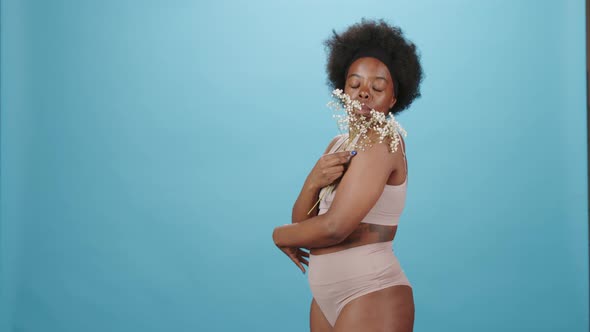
<point x="380" y="77"/>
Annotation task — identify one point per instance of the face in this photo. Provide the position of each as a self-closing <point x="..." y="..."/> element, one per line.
<point x="369" y="82"/>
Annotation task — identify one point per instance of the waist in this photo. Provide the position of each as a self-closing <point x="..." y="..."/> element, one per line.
<point x="363" y="249"/>
<point x="374" y="217"/>
<point x="365" y="234"/>
<point x="345" y="264"/>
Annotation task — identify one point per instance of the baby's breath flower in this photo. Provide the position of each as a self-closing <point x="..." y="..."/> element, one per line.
<point x="359" y="125"/>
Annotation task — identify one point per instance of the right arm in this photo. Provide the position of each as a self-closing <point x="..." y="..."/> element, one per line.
<point x="367" y="174"/>
<point x="327" y="169"/>
<point x="311" y="187"/>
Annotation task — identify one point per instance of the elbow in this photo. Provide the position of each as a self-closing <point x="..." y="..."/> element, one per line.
<point x="275" y="238"/>
<point x="278" y="236"/>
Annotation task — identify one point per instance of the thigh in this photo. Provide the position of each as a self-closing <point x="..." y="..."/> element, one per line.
<point x="317" y="320"/>
<point x="390" y="309"/>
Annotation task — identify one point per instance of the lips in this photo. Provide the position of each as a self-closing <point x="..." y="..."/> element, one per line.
<point x="365" y="109"/>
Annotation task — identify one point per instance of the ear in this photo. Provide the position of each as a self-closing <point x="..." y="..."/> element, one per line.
<point x="393" y="101"/>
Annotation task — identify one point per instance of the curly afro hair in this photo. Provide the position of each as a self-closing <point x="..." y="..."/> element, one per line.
<point x="370" y="34"/>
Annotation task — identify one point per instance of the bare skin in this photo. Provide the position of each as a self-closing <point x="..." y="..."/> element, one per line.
<point x="390" y="309"/>
<point x="369" y="233"/>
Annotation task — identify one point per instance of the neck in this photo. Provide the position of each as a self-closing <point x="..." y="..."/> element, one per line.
<point x="354" y="131"/>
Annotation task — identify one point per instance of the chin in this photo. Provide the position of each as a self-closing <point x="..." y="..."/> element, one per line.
<point x="363" y="113"/>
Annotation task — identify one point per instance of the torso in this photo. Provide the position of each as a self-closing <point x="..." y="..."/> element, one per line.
<point x="370" y="233"/>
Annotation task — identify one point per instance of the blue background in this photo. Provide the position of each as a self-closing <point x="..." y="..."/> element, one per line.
<point x="148" y="149"/>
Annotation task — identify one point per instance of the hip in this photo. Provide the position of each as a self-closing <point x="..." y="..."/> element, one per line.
<point x="372" y="261"/>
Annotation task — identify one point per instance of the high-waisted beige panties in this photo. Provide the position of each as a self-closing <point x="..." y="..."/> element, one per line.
<point x="340" y="277"/>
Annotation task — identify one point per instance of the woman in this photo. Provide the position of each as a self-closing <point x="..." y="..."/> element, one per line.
<point x="356" y="281"/>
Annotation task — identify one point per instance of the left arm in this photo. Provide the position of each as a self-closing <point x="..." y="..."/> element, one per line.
<point x="360" y="188"/>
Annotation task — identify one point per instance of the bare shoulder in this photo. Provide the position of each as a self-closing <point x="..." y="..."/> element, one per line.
<point x="377" y="150"/>
<point x="380" y="154"/>
<point x="402" y="142"/>
<point x="399" y="147"/>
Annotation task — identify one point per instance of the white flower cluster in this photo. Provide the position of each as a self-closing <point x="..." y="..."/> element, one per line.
<point x="360" y="125"/>
<point x="360" y="128"/>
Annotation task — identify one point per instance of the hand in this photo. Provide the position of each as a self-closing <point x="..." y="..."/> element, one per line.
<point x="329" y="168"/>
<point x="297" y="255"/>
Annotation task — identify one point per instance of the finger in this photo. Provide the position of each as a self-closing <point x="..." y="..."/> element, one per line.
<point x="304" y="261"/>
<point x="344" y="154"/>
<point x="334" y="170"/>
<point x="303" y="258"/>
<point x="339" y="158"/>
<point x="303" y="253"/>
<point x="298" y="264"/>
<point x="335" y="157"/>
<point x="334" y="177"/>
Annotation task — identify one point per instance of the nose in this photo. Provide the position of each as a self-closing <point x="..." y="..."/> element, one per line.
<point x="363" y="94"/>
